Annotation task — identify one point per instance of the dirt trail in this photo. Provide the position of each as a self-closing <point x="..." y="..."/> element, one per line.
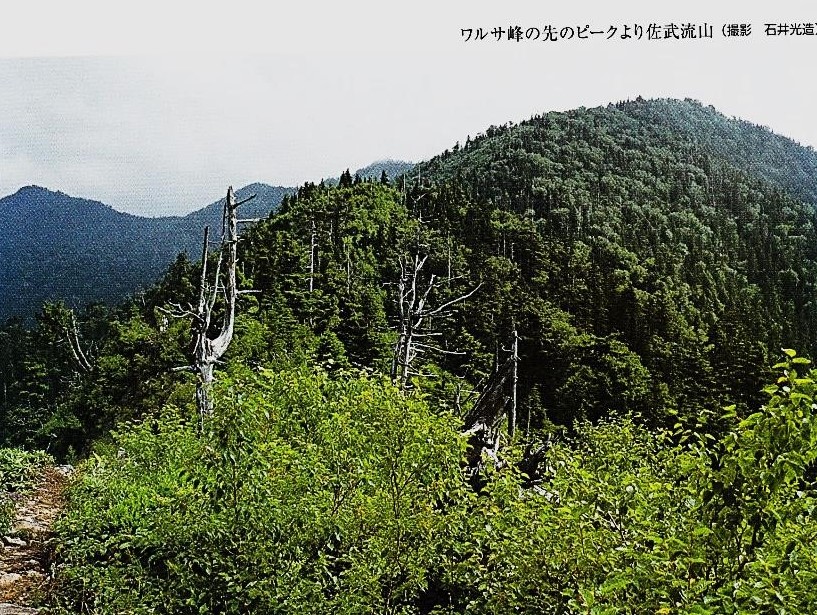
<point x="24" y="556"/>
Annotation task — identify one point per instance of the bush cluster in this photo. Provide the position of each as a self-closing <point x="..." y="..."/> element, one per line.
<point x="306" y="493"/>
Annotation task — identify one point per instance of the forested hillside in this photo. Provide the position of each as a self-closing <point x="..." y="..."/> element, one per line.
<point x="534" y="376"/>
<point x="55" y="247"/>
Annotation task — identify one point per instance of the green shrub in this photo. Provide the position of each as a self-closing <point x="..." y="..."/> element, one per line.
<point x="6" y="512"/>
<point x="303" y="494"/>
<point x="18" y="472"/>
<point x="319" y="495"/>
<point x="628" y="520"/>
<point x="19" y="468"/>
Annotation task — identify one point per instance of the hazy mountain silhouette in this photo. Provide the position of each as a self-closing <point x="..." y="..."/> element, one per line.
<point x="54" y="246"/>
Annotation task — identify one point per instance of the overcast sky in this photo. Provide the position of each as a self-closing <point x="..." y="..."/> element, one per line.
<point x="154" y="108"/>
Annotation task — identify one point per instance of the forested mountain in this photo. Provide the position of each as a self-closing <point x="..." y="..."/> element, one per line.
<point x="57" y="247"/>
<point x="646" y="126"/>
<point x="638" y="267"/>
<point x="534" y="377"/>
<point x="653" y="216"/>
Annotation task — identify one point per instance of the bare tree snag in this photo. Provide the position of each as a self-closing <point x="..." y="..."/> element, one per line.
<point x="205" y="350"/>
<point x="65" y="324"/>
<point x="482" y="424"/>
<point x="514" y="381"/>
<point x="312" y="246"/>
<point x="415" y="314"/>
<point x="72" y="336"/>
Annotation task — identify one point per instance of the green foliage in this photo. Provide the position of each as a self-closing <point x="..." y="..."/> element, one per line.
<point x="53" y="403"/>
<point x="608" y="527"/>
<point x="304" y="493"/>
<point x="340" y="495"/>
<point x="628" y="520"/>
<point x="19" y="468"/>
<point x="18" y="472"/>
<point x="6" y="511"/>
<point x="605" y="376"/>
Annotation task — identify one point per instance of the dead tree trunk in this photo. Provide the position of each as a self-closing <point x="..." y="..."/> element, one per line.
<point x="514" y="381"/>
<point x="77" y="353"/>
<point x="64" y="322"/>
<point x="205" y="350"/>
<point x="312" y="246"/>
<point x="414" y="337"/>
<point x="482" y="424"/>
<point x="409" y="305"/>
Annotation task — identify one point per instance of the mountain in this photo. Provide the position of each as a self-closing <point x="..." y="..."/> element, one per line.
<point x="649" y="257"/>
<point x="663" y="225"/>
<point x="54" y="246"/>
<point x="605" y="139"/>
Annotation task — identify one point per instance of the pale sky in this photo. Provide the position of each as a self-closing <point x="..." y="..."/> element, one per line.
<point x="155" y="107"/>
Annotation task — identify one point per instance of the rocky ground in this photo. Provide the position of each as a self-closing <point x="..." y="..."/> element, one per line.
<point x="24" y="559"/>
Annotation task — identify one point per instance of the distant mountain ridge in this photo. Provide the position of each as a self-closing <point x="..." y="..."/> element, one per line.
<point x="54" y="246"/>
<point x="267" y="198"/>
<point x="393" y="169"/>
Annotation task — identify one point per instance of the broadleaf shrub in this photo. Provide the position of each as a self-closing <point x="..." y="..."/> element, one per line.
<point x="304" y="493"/>
<point x="18" y="472"/>
<point x="311" y="493"/>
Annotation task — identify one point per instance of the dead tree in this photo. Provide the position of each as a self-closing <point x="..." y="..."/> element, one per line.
<point x="498" y="398"/>
<point x="80" y="357"/>
<point x="415" y="312"/>
<point x="312" y="247"/>
<point x="209" y="339"/>
<point x="514" y="384"/>
<point x="63" y="320"/>
<point x="482" y="424"/>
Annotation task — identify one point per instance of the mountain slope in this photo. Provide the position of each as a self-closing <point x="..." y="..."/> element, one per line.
<point x="688" y="236"/>
<point x="753" y="149"/>
<point x="631" y="268"/>
<point x="640" y="268"/>
<point x="54" y="246"/>
<point x="608" y="140"/>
